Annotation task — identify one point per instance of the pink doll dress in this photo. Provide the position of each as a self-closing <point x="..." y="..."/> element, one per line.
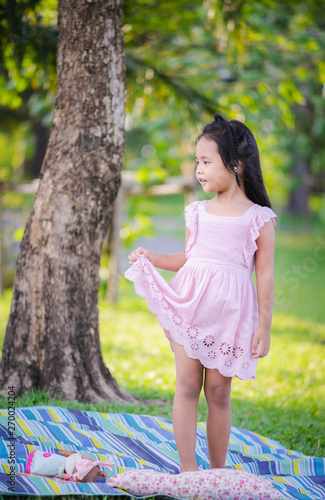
<point x="210" y="305"/>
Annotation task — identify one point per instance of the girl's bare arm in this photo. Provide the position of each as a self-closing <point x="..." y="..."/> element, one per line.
<point x="171" y="262"/>
<point x="264" y="270"/>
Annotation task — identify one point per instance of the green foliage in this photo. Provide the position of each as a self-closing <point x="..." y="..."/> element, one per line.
<point x="202" y="50"/>
<point x="16" y="147"/>
<point x="28" y="39"/>
<point x="255" y="61"/>
<point x="169" y="206"/>
<point x="28" y="35"/>
<point x="139" y="225"/>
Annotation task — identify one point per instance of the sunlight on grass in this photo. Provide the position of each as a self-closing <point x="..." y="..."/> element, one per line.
<point x="5" y="301"/>
<point x="286" y="402"/>
<point x="136" y="350"/>
<point x="292" y="375"/>
<point x="300" y="276"/>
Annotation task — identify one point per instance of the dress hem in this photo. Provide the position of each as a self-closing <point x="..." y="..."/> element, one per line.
<point x="212" y="368"/>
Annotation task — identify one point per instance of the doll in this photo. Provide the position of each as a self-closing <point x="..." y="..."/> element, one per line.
<point x="67" y="465"/>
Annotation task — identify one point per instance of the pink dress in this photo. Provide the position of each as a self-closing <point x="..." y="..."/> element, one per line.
<point x="210" y="305"/>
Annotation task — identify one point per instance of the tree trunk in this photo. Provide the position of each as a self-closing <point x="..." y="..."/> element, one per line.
<point x="32" y="167"/>
<point x="298" y="196"/>
<point x="302" y="150"/>
<point x="52" y="337"/>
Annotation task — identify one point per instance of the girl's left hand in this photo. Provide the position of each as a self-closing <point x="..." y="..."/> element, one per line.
<point x="261" y="343"/>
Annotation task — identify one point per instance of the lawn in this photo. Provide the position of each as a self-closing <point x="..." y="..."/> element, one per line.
<point x="286" y="402"/>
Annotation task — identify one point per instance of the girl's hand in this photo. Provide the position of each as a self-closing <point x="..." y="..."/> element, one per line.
<point x="152" y="256"/>
<point x="261" y="343"/>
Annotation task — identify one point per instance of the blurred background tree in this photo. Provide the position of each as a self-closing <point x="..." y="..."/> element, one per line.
<point x="257" y="61"/>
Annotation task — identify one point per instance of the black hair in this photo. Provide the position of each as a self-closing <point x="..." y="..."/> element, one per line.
<point x="236" y="143"/>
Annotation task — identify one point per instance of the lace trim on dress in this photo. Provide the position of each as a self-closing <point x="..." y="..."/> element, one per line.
<point x="226" y="354"/>
<point x="263" y="214"/>
<point x="191" y="221"/>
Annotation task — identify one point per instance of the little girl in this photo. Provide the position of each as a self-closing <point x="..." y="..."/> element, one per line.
<point x="217" y="323"/>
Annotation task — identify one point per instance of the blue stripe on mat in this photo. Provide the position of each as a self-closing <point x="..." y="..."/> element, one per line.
<point x="143" y="442"/>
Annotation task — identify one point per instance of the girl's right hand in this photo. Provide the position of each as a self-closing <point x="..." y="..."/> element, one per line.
<point x="152" y="256"/>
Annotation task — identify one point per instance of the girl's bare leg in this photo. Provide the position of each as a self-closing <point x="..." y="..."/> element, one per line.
<point x="217" y="392"/>
<point x="189" y="378"/>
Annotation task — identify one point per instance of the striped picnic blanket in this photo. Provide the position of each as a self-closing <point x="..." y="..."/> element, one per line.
<point x="139" y="441"/>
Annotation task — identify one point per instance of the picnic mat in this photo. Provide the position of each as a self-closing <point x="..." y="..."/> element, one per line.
<point x="142" y="442"/>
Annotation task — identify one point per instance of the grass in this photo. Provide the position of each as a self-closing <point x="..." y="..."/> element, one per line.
<point x="286" y="402"/>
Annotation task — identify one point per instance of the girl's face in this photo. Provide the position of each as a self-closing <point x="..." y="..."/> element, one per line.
<point x="210" y="170"/>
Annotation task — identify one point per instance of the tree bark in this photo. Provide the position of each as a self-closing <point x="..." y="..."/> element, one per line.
<point x="32" y="167"/>
<point x="298" y="196"/>
<point x="52" y="337"/>
<point x="299" y="192"/>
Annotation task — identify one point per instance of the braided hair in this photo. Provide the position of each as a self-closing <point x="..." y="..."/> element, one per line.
<point x="236" y="143"/>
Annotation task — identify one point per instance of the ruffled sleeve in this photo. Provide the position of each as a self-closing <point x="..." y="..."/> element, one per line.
<point x="261" y="215"/>
<point x="191" y="218"/>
